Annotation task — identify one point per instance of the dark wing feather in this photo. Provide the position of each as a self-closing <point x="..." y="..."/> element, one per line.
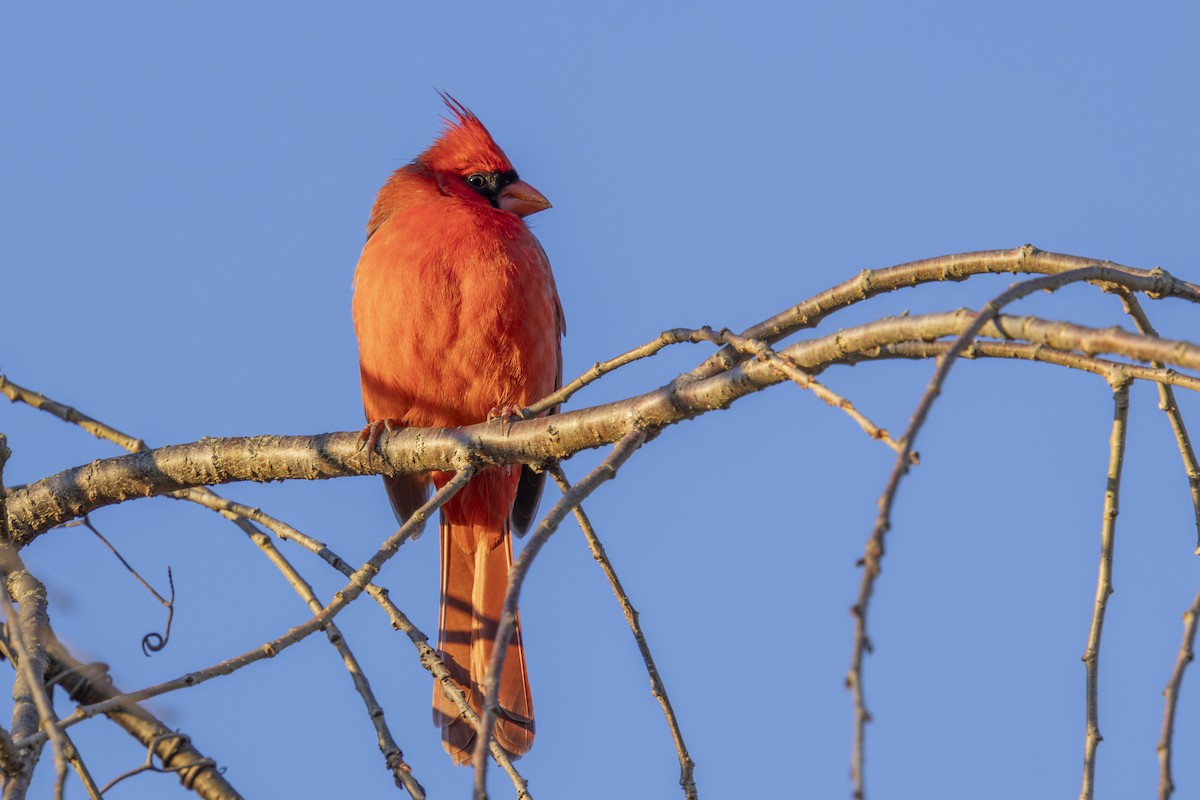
<point x="531" y="484"/>
<point x="529" y="494"/>
<point x="407" y="493"/>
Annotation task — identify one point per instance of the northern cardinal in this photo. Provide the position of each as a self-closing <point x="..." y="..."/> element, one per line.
<point x="459" y="321"/>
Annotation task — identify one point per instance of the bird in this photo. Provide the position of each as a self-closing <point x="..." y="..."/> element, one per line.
<point x="459" y="321"/>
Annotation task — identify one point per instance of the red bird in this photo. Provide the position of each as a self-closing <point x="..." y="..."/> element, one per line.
<point x="459" y="321"/>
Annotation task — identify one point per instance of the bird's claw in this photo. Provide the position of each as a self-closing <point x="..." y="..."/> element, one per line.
<point x="369" y="437"/>
<point x="506" y="415"/>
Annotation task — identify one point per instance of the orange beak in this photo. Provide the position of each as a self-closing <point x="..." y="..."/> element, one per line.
<point x="522" y="199"/>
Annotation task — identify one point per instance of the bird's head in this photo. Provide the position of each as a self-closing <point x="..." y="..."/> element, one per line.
<point x="466" y="152"/>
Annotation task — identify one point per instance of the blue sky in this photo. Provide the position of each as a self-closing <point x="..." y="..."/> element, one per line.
<point x="183" y="191"/>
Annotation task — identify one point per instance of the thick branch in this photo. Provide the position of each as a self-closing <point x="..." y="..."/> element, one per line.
<point x="89" y="684"/>
<point x="35" y="508"/>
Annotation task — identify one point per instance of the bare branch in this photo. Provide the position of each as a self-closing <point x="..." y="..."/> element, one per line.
<point x="67" y="414"/>
<point x="788" y="366"/>
<point x="1166" y="786"/>
<point x="602" y="368"/>
<point x="1091" y="656"/>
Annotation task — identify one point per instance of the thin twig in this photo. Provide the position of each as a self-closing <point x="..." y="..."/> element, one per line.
<point x="874" y="549"/>
<point x="805" y="380"/>
<point x="393" y="756"/>
<point x="358" y="582"/>
<point x="1029" y="352"/>
<point x="1104" y="587"/>
<point x="1166" y="786"/>
<point x="742" y="344"/>
<point x="657" y="688"/>
<point x="606" y="471"/>
<point x="429" y="657"/>
<point x="602" y="368"/>
<point x="98" y="429"/>
<point x="151" y="642"/>
<point x="1166" y="402"/>
<point x="87" y="523"/>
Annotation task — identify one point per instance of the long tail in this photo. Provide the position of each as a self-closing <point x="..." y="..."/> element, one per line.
<point x="475" y="564"/>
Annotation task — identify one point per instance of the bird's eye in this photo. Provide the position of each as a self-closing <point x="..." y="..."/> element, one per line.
<point x="477" y="181"/>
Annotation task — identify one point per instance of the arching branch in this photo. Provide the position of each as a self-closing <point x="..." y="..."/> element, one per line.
<point x="36" y="508"/>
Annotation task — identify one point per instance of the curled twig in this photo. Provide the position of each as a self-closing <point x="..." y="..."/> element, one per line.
<point x="151" y="642"/>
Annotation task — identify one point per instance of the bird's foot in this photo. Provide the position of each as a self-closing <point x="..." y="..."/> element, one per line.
<point x="506" y="415"/>
<point x="369" y="437"/>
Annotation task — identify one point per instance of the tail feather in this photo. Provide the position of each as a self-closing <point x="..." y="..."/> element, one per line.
<point x="475" y="566"/>
<point x="454" y="646"/>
